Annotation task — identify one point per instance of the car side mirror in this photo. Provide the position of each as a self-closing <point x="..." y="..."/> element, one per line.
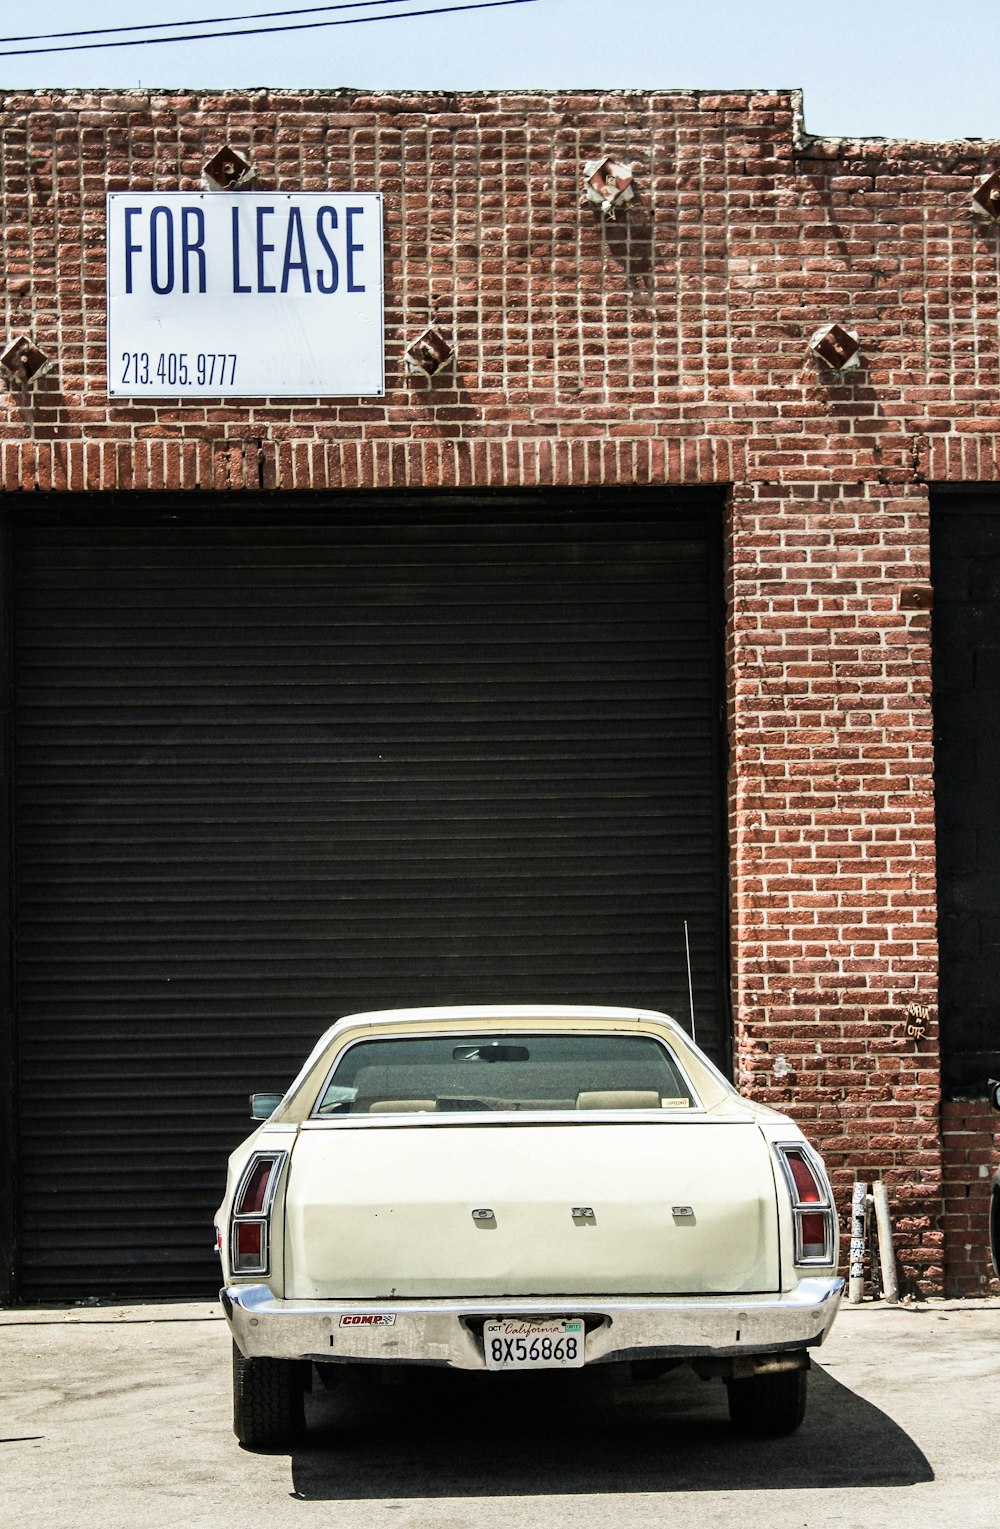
<point x="993" y="1094"/>
<point x="263" y="1106"/>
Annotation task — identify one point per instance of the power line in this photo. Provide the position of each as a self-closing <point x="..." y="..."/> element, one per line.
<point x="197" y="21"/>
<point x="299" y="26"/>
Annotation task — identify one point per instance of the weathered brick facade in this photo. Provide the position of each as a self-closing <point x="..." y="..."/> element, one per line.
<point x="666" y="347"/>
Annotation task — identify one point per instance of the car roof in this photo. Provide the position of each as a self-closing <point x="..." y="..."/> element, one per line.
<point x="504" y="1011"/>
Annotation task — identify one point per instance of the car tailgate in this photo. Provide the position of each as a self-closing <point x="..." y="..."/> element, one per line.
<point x="678" y="1207"/>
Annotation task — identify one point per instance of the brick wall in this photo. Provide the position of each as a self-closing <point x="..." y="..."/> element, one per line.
<point x="971" y="1137"/>
<point x="832" y="836"/>
<point x="666" y="347"/>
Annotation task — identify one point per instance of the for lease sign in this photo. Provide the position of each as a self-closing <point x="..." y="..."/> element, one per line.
<point x="264" y="295"/>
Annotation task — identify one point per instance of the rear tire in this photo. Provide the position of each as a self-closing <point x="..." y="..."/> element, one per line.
<point x="768" y="1406"/>
<point x="268" y="1401"/>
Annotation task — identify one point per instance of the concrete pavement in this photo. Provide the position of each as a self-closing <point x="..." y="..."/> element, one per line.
<point x="120" y="1417"/>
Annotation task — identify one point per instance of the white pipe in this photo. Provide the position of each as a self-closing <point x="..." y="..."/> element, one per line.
<point x="874" y="1252"/>
<point x="886" y="1251"/>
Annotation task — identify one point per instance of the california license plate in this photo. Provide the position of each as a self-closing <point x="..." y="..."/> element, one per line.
<point x="550" y="1345"/>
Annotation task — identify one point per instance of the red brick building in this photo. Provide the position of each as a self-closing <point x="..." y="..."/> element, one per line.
<point x="618" y="622"/>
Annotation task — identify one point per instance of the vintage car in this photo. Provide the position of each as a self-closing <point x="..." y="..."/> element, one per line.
<point x="518" y="1189"/>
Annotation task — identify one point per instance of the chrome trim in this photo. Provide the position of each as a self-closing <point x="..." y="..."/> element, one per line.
<point x="619" y="1328"/>
<point x="262" y="1216"/>
<point x="494" y="1116"/>
<point x="825" y="1208"/>
<point x="447" y="1121"/>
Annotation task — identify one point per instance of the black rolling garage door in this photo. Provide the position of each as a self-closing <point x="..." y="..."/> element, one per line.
<point x="272" y="767"/>
<point x="965" y="562"/>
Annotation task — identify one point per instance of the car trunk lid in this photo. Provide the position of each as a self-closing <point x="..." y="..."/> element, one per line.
<point x="390" y="1210"/>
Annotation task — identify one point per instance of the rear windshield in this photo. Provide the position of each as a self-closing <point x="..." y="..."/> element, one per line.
<point x="454" y="1073"/>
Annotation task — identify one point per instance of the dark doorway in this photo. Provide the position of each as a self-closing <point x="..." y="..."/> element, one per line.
<point x="280" y="761"/>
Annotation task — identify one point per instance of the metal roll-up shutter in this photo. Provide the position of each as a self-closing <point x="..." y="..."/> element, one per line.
<point x="275" y="764"/>
<point x="965" y="564"/>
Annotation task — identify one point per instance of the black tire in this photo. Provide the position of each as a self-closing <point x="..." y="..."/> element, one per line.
<point x="768" y="1406"/>
<point x="268" y="1401"/>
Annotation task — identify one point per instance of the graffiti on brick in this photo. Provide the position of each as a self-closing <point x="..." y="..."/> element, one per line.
<point x="918" y="1017"/>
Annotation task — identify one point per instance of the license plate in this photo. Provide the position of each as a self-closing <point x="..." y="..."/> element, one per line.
<point x="513" y="1345"/>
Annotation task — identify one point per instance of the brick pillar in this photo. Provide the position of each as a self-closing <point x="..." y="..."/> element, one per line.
<point x="832" y="838"/>
<point x="971" y="1137"/>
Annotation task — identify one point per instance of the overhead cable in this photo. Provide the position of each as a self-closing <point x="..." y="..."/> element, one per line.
<point x="201" y="21"/>
<point x="298" y="26"/>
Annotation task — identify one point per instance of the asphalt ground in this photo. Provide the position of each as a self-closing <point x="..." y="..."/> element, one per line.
<point x="121" y="1416"/>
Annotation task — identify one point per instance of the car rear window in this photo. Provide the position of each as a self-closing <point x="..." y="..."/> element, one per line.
<point x="476" y="1073"/>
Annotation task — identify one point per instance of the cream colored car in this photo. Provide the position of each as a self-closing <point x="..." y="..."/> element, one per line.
<point x="522" y="1188"/>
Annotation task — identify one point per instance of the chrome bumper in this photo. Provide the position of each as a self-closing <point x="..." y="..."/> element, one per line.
<point x="450" y="1332"/>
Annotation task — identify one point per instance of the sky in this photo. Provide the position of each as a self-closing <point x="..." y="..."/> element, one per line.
<point x="868" y="68"/>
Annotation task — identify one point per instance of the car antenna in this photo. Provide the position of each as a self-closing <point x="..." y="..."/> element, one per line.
<point x="687" y="948"/>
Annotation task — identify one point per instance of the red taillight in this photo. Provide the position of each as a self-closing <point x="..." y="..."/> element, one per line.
<point x="807" y="1191"/>
<point x="250" y="1200"/>
<point x="248" y="1244"/>
<point x="812" y="1234"/>
<point x="250" y="1226"/>
<point x="815" y="1230"/>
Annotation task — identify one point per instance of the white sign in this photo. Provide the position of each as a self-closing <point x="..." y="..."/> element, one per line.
<point x="245" y="294"/>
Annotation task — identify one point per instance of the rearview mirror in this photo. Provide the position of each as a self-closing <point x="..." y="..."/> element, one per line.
<point x="491" y="1051"/>
<point x="263" y="1106"/>
<point x="993" y="1094"/>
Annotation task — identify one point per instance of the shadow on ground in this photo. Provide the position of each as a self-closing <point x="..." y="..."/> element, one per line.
<point x="447" y="1434"/>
